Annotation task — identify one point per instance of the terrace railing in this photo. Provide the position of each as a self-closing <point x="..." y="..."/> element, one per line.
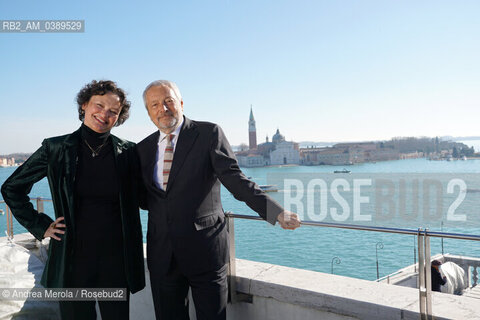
<point x="423" y="248"/>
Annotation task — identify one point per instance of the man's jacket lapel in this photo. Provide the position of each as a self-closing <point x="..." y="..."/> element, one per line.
<point x="185" y="141"/>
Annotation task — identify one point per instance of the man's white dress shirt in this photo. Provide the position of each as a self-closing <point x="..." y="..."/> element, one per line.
<point x="162" y="143"/>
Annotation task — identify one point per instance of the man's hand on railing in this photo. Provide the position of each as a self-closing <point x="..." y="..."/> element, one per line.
<point x="289" y="220"/>
<point x="52" y="229"/>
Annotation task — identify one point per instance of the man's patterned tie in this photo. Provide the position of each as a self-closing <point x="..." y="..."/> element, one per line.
<point x="167" y="160"/>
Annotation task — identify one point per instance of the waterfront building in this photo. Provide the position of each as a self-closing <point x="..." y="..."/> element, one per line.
<point x="286" y="152"/>
<point x="278" y="137"/>
<point x="277" y="152"/>
<point x="347" y="153"/>
<point x="251" y="160"/>
<point x="359" y="152"/>
<point x="384" y="154"/>
<point x="412" y="155"/>
<point x="322" y="156"/>
<point x="7" y="162"/>
<point x="369" y="151"/>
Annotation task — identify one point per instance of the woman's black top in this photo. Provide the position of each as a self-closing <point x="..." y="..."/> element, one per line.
<point x="98" y="228"/>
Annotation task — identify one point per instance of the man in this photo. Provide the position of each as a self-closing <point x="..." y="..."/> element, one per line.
<point x="437" y="279"/>
<point x="187" y="243"/>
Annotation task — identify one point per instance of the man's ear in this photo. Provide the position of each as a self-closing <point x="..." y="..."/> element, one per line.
<point x="181" y="102"/>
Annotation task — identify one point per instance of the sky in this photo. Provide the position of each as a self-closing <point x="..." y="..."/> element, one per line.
<point x="317" y="70"/>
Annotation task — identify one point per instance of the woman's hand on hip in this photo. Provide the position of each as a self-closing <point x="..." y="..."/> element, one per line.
<point x="52" y="229"/>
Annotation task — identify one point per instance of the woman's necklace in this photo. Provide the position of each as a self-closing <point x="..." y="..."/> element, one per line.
<point x="95" y="151"/>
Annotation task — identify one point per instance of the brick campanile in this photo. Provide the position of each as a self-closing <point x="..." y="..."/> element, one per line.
<point x="252" y="132"/>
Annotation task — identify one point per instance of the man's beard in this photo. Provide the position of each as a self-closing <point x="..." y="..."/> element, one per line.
<point x="171" y="124"/>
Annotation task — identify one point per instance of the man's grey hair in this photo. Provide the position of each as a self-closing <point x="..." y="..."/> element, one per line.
<point x="162" y="83"/>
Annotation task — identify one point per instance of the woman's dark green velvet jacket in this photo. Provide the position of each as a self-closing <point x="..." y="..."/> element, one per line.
<point x="56" y="159"/>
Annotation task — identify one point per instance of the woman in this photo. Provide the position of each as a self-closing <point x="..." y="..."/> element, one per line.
<point x="96" y="239"/>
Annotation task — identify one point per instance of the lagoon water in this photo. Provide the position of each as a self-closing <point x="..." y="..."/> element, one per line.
<point x="314" y="248"/>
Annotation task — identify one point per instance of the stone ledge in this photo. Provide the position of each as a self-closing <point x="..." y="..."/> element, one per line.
<point x="345" y="296"/>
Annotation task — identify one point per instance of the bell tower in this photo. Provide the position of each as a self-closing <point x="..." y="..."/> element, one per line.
<point x="252" y="131"/>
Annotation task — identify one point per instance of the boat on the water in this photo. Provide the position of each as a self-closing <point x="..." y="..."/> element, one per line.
<point x="342" y="171"/>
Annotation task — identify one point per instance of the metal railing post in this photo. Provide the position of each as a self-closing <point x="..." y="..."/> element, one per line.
<point x="9" y="222"/>
<point x="379" y="245"/>
<point x="235" y="296"/>
<point x="424" y="275"/>
<point x="428" y="276"/>
<point x="40" y="207"/>
<point x="442" y="239"/>
<point x="231" y="265"/>
<point x="421" y="275"/>
<point x="414" y="255"/>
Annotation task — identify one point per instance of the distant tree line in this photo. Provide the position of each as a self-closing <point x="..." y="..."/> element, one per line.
<point x="427" y="145"/>
<point x="464" y="151"/>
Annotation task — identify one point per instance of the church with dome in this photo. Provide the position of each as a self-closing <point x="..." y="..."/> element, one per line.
<point x="277" y="152"/>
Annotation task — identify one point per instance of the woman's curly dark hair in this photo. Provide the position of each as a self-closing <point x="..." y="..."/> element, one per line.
<point x="100" y="88"/>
